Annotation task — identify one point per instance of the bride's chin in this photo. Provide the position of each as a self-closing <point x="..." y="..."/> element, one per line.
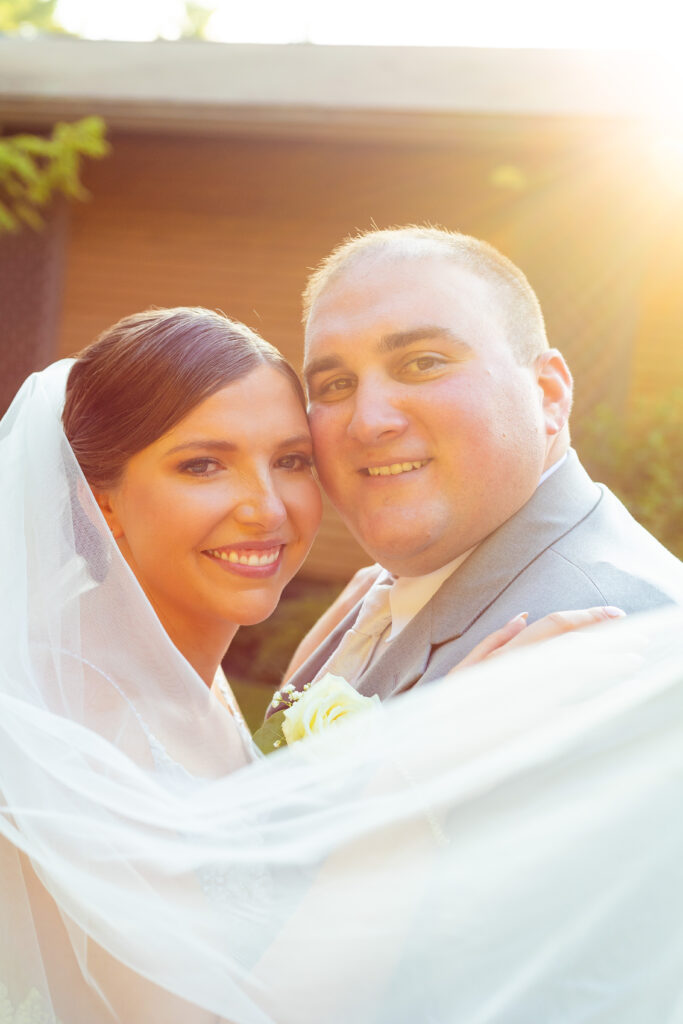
<point x="250" y="613"/>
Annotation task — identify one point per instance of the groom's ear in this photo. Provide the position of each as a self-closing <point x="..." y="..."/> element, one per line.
<point x="557" y="388"/>
<point x="105" y="499"/>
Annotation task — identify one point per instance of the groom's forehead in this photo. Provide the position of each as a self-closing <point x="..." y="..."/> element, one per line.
<point x="403" y="288"/>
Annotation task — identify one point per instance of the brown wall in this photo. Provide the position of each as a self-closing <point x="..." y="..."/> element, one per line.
<point x="233" y="223"/>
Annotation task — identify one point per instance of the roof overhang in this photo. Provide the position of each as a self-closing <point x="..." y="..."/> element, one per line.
<point x="216" y="88"/>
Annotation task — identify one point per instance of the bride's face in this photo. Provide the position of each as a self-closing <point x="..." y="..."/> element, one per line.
<point x="215" y="517"/>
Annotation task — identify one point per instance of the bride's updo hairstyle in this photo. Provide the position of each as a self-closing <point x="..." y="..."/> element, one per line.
<point x="146" y="373"/>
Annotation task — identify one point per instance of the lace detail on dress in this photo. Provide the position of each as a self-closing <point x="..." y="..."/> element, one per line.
<point x="31" y="1010"/>
<point x="222" y="690"/>
<point x="246" y="895"/>
<point x="250" y="886"/>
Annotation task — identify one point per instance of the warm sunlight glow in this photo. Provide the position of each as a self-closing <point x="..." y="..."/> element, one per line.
<point x="133" y="20"/>
<point x="585" y="24"/>
<point x="668" y="158"/>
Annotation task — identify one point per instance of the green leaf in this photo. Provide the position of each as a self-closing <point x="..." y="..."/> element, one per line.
<point x="35" y="145"/>
<point x="270" y="736"/>
<point x="17" y="15"/>
<point x="30" y="216"/>
<point x="19" y="164"/>
<point x="8" y="222"/>
<point x="33" y="169"/>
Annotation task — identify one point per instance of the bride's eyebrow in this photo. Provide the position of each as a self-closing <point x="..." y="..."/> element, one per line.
<point x="206" y="443"/>
<point x="211" y="444"/>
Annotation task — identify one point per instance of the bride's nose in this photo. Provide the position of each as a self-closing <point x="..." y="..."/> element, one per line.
<point x="260" y="504"/>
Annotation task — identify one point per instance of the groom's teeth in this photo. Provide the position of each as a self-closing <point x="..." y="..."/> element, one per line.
<point x="395" y="468"/>
<point x="267" y="558"/>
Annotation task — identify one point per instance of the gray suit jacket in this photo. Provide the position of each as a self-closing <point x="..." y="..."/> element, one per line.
<point x="573" y="545"/>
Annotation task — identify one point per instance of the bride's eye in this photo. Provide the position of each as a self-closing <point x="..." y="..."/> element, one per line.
<point x="295" y="462"/>
<point x="199" y="467"/>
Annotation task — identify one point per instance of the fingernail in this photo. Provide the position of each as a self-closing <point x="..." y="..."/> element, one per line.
<point x="522" y="617"/>
<point x="613" y="613"/>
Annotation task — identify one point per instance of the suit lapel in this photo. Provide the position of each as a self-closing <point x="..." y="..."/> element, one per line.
<point x="563" y="500"/>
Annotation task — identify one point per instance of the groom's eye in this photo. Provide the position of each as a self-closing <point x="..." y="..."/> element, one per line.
<point x="335" y="388"/>
<point x="424" y="364"/>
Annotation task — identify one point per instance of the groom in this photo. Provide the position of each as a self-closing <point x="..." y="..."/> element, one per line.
<point x="440" y="423"/>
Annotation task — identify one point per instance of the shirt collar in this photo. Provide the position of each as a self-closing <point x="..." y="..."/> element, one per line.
<point x="410" y="594"/>
<point x="551" y="469"/>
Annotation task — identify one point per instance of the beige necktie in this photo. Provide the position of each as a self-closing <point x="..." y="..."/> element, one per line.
<point x="358" y="645"/>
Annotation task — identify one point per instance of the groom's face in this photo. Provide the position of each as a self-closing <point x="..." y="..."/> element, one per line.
<point x="428" y="433"/>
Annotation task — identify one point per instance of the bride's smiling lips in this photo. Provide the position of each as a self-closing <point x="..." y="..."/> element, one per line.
<point x="256" y="559"/>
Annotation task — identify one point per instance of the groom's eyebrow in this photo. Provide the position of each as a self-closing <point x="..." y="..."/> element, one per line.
<point x="331" y="362"/>
<point x="401" y="339"/>
<point x="389" y="343"/>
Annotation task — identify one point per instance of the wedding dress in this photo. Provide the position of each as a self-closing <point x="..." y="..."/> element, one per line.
<point x="505" y="846"/>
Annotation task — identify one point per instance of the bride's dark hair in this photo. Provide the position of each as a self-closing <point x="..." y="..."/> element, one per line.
<point x="148" y="371"/>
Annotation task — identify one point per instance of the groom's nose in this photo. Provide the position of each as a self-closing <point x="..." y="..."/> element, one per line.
<point x="377" y="413"/>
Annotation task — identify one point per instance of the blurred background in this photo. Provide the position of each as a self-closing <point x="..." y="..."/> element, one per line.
<point x="212" y="154"/>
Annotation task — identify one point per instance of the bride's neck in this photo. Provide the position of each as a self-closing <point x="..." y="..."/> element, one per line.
<point x="203" y="646"/>
<point x="205" y="656"/>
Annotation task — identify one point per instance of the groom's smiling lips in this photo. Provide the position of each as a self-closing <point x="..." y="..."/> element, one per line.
<point x="393" y="467"/>
<point x="254" y="558"/>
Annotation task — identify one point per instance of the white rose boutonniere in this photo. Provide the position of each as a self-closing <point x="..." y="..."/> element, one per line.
<point x="322" y="705"/>
<point x="311" y="711"/>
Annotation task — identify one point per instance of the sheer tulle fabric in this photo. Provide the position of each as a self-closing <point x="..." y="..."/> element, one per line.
<point x="502" y="847"/>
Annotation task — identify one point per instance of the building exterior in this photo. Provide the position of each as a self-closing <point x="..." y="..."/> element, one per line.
<point x="234" y="169"/>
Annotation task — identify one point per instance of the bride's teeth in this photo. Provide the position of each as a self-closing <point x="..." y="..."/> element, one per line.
<point x="243" y="559"/>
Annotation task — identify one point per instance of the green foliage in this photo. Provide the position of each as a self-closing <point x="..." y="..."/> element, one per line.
<point x="33" y="170"/>
<point x="22" y="16"/>
<point x="261" y="653"/>
<point x="196" y="18"/>
<point x="269" y="736"/>
<point x="640" y="457"/>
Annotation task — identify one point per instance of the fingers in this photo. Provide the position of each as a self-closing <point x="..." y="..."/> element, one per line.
<point x="558" y="623"/>
<point x="500" y="638"/>
<point x="516" y="633"/>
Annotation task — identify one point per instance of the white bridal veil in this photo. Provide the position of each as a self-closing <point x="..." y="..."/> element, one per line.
<point x="504" y="847"/>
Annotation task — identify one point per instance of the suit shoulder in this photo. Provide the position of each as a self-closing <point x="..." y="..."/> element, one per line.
<point x="617" y="558"/>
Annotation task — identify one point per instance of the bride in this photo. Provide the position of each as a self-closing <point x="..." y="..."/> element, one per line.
<point x="491" y="851"/>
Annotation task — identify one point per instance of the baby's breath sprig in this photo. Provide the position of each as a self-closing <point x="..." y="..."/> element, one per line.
<point x="288" y="695"/>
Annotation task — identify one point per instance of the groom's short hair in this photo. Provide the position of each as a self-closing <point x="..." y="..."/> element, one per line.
<point x="518" y="302"/>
